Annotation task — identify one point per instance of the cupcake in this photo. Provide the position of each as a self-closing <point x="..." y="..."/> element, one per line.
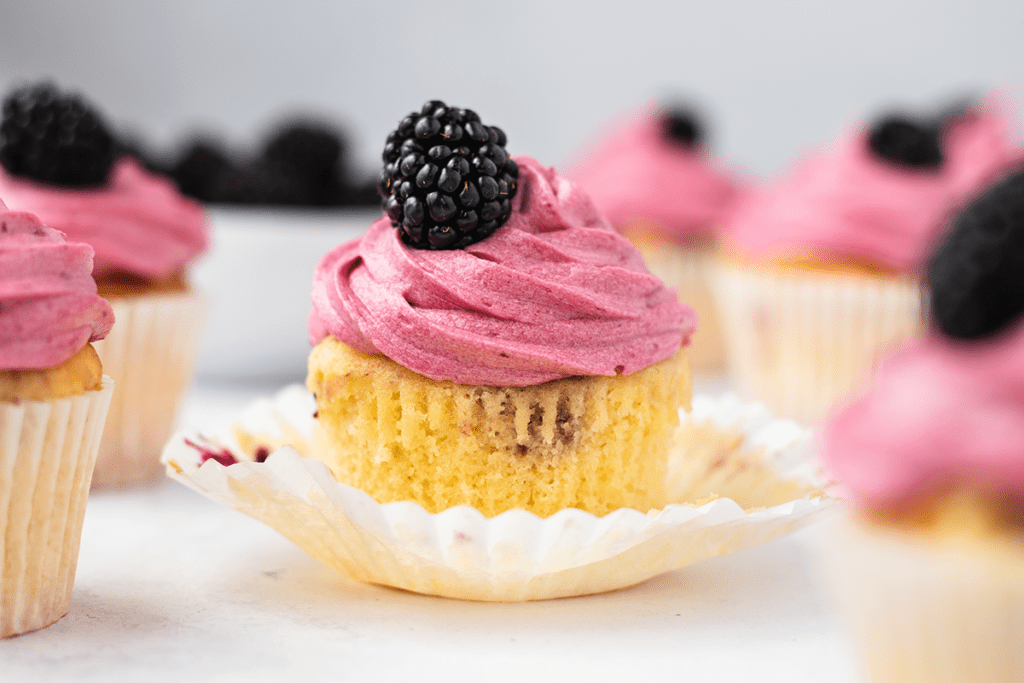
<point x="819" y="274"/>
<point x="492" y="341"/>
<point x="929" y="570"/>
<point x="653" y="177"/>
<point x="58" y="160"/>
<point x="53" y="403"/>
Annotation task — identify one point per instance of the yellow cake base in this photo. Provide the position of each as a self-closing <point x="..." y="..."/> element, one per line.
<point x="594" y="443"/>
<point x="80" y="373"/>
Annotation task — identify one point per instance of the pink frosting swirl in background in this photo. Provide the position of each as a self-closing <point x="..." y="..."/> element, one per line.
<point x="847" y="203"/>
<point x="49" y="309"/>
<point x="939" y="413"/>
<point x="555" y="292"/>
<point x="634" y="173"/>
<point x="138" y="223"/>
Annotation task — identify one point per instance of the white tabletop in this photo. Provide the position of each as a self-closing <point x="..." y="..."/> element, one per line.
<point x="174" y="587"/>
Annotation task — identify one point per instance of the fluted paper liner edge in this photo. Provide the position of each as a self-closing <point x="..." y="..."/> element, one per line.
<point x="516" y="555"/>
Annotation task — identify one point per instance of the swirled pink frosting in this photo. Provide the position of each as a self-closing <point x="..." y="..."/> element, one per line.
<point x="939" y="413"/>
<point x="49" y="308"/>
<point x="138" y="223"/>
<point x="555" y="292"/>
<point x="847" y="203"/>
<point x="635" y="174"/>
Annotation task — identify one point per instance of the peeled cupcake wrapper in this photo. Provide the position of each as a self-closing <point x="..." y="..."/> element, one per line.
<point x="150" y="353"/>
<point x="805" y="342"/>
<point x="929" y="609"/>
<point x="47" y="453"/>
<point x="516" y="555"/>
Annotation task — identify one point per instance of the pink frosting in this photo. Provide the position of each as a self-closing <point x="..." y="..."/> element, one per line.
<point x="49" y="309"/>
<point x="635" y="174"/>
<point x="138" y="223"/>
<point x="848" y="203"/>
<point x="939" y="413"/>
<point x="555" y="292"/>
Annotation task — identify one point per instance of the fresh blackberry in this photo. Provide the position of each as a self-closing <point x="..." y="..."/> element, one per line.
<point x="976" y="277"/>
<point x="54" y="137"/>
<point x="898" y="139"/>
<point x="447" y="180"/>
<point x="683" y="126"/>
<point x="311" y="153"/>
<point x="199" y="168"/>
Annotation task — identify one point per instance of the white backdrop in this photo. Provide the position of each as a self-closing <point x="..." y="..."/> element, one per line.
<point x="776" y="78"/>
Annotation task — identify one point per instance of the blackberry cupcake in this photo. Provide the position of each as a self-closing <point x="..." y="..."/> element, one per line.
<point x="653" y="177"/>
<point x="59" y="161"/>
<point x="53" y="403"/>
<point x="819" y="274"/>
<point x="492" y="341"/>
<point x="929" y="570"/>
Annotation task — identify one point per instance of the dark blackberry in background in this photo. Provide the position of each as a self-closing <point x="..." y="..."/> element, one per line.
<point x="683" y="126"/>
<point x="976" y="276"/>
<point x="309" y="154"/>
<point x="55" y="137"/>
<point x="132" y="144"/>
<point x="199" y="168"/>
<point x="447" y="180"/>
<point x="898" y="139"/>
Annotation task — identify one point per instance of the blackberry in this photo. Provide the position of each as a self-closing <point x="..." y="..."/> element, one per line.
<point x="199" y="168"/>
<point x="976" y="276"/>
<point x="310" y="153"/>
<point x="447" y="180"/>
<point x="898" y="139"/>
<point x="682" y="126"/>
<point x="55" y="138"/>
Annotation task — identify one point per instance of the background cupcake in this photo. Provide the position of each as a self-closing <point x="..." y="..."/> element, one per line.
<point x="930" y="569"/>
<point x="53" y="403"/>
<point x="653" y="177"/>
<point x="492" y="341"/>
<point x="58" y="160"/>
<point x="819" y="274"/>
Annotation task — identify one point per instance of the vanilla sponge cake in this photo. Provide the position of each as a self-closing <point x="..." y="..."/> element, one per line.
<point x="584" y="442"/>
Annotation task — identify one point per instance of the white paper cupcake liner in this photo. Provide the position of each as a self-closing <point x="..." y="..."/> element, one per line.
<point x="924" y="609"/>
<point x="513" y="556"/>
<point x="805" y="342"/>
<point x="688" y="269"/>
<point x="150" y="353"/>
<point x="47" y="452"/>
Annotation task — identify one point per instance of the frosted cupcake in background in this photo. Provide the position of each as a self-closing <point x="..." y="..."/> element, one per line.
<point x="492" y="341"/>
<point x="53" y="403"/>
<point x="819" y="273"/>
<point x="652" y="176"/>
<point x="59" y="161"/>
<point x="929" y="569"/>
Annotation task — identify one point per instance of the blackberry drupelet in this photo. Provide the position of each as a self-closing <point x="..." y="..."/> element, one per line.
<point x="683" y="126"/>
<point x="54" y="137"/>
<point x="900" y="140"/>
<point x="976" y="277"/>
<point x="447" y="180"/>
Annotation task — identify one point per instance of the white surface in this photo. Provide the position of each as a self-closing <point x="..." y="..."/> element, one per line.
<point x="174" y="587"/>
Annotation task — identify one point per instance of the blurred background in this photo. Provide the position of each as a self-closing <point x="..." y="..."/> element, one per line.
<point x="774" y="78"/>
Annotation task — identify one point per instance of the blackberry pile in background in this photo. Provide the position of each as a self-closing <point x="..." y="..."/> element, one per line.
<point x="55" y="137"/>
<point x="447" y="180"/>
<point x="301" y="162"/>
